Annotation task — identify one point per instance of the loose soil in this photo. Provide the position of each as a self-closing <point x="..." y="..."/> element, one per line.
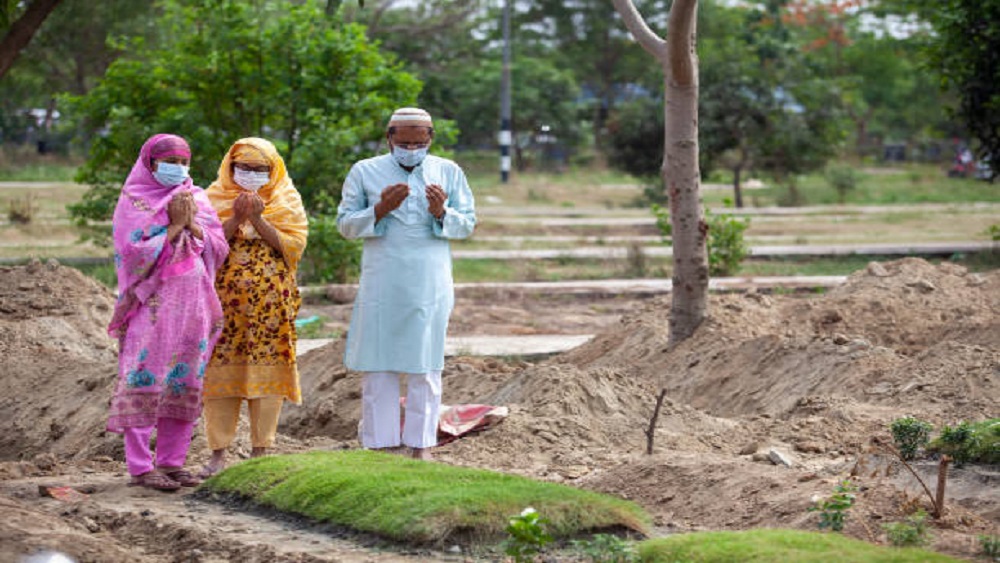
<point x="813" y="379"/>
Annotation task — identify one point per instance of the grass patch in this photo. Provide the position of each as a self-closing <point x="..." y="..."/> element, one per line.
<point x="418" y="502"/>
<point x="38" y="172"/>
<point x="103" y="272"/>
<point x="777" y="546"/>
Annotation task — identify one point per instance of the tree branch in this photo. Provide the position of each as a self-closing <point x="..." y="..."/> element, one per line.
<point x="636" y="25"/>
<point x="681" y="26"/>
<point x="22" y="30"/>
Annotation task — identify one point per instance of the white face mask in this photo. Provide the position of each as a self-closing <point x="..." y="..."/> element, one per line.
<point x="250" y="180"/>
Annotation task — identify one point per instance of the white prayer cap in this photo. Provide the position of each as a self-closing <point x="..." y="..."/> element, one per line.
<point x="410" y="117"/>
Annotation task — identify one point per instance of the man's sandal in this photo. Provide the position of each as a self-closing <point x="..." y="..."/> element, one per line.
<point x="183" y="477"/>
<point x="154" y="480"/>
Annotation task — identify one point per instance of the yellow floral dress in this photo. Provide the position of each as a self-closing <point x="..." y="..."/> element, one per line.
<point x="255" y="355"/>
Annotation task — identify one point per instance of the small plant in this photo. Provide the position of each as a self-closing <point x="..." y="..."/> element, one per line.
<point x="527" y="536"/>
<point x="726" y="242"/>
<point x="993" y="231"/>
<point x="833" y="509"/>
<point x="990" y="546"/>
<point x="727" y="246"/>
<point x="844" y="179"/>
<point x="607" y="548"/>
<point x="911" y="532"/>
<point x="910" y="434"/>
<point x="21" y="212"/>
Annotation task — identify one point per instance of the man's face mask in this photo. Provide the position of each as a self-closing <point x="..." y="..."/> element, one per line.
<point x="250" y="180"/>
<point x="407" y="157"/>
<point x="169" y="174"/>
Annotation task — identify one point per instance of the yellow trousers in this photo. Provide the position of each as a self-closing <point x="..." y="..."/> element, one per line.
<point x="223" y="415"/>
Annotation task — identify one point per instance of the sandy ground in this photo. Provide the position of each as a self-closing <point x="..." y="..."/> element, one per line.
<point x="813" y="378"/>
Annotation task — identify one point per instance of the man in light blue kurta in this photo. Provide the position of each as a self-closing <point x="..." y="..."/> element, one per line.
<point x="406" y="206"/>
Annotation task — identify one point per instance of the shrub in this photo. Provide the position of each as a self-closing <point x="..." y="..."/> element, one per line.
<point x="910" y="434"/>
<point x="726" y="239"/>
<point x="844" y="179"/>
<point x="970" y="442"/>
<point x="329" y="257"/>
<point x="912" y="532"/>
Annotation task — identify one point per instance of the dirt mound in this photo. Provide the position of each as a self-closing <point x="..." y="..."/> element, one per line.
<point x="900" y="333"/>
<point x="58" y="363"/>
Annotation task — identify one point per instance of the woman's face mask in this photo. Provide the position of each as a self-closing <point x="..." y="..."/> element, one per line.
<point x="169" y="174"/>
<point x="408" y="158"/>
<point x="251" y="180"/>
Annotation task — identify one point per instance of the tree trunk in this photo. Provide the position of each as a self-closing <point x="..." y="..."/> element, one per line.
<point x="681" y="177"/>
<point x="690" y="231"/>
<point x="737" y="190"/>
<point x="22" y="30"/>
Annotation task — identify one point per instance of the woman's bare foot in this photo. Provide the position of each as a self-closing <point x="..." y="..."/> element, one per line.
<point x="421" y="453"/>
<point x="258" y="452"/>
<point x="215" y="464"/>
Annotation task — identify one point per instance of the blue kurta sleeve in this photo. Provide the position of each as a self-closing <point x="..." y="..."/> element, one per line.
<point x="460" y="210"/>
<point x="355" y="214"/>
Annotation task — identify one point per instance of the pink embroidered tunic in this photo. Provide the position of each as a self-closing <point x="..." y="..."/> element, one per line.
<point x="168" y="315"/>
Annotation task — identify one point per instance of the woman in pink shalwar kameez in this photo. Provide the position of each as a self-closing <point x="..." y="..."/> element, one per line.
<point x="168" y="244"/>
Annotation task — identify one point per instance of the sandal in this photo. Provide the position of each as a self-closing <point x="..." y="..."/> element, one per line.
<point x="183" y="478"/>
<point x="208" y="470"/>
<point x="154" y="480"/>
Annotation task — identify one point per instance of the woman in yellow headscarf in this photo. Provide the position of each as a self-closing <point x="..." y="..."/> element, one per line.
<point x="254" y="360"/>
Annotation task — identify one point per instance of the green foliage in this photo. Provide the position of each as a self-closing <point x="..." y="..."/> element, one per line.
<point x="970" y="442"/>
<point x="993" y="231"/>
<point x="527" y="536"/>
<point x="607" y="548"/>
<point x="844" y="179"/>
<point x="910" y="434"/>
<point x="329" y="258"/>
<point x="414" y="501"/>
<point x="228" y="69"/>
<point x="635" y="139"/>
<point x="833" y="509"/>
<point x="911" y="532"/>
<point x="777" y="546"/>
<point x="726" y="242"/>
<point x="961" y="50"/>
<point x="990" y="547"/>
<point x="727" y="245"/>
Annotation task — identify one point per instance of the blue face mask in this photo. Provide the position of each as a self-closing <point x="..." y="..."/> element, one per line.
<point x="169" y="174"/>
<point x="409" y="158"/>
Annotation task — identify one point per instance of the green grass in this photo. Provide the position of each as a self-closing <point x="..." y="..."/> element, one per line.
<point x="418" y="502"/>
<point x="475" y="270"/>
<point x="38" y="172"/>
<point x="103" y="272"/>
<point x="915" y="183"/>
<point x="777" y="546"/>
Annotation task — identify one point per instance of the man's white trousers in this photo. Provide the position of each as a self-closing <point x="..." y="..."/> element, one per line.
<point x="380" y="416"/>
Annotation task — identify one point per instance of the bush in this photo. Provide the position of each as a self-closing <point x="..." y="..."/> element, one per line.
<point x="910" y="533"/>
<point x="726" y="242"/>
<point x="329" y="257"/>
<point x="910" y="434"/>
<point x="970" y="442"/>
<point x="844" y="179"/>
